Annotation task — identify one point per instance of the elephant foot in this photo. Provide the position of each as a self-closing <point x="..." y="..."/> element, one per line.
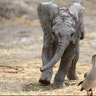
<point x="44" y="82"/>
<point x="58" y="86"/>
<point x="72" y="77"/>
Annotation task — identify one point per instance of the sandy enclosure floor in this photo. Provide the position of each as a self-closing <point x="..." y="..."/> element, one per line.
<point x="20" y="58"/>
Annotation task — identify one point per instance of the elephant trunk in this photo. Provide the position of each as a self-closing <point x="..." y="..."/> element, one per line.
<point x="59" y="52"/>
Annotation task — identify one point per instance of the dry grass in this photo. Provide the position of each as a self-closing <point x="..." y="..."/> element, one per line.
<point x="22" y="78"/>
<point x="23" y="20"/>
<point x="25" y="81"/>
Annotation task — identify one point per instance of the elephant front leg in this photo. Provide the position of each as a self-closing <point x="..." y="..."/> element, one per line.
<point x="72" y="71"/>
<point x="46" y="75"/>
<point x="47" y="54"/>
<point x="64" y="67"/>
<point x="59" y="79"/>
<point x="62" y="72"/>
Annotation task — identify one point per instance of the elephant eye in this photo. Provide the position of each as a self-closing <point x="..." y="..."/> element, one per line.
<point x="54" y="34"/>
<point x="71" y="34"/>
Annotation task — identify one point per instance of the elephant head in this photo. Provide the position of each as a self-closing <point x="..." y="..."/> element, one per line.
<point x="62" y="29"/>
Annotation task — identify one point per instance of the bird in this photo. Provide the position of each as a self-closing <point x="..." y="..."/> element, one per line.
<point x="89" y="81"/>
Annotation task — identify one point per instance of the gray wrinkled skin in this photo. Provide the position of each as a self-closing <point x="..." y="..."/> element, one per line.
<point x="63" y="28"/>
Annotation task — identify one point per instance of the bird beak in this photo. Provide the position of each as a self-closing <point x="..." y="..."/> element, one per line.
<point x="80" y="83"/>
<point x="82" y="89"/>
<point x="85" y="75"/>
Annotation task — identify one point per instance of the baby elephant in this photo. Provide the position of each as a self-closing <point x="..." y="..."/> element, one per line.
<point x="90" y="79"/>
<point x="63" y="28"/>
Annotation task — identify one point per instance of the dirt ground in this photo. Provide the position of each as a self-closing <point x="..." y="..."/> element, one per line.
<point x="20" y="57"/>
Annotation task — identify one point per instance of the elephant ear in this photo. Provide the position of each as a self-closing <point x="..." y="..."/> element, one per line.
<point x="46" y="13"/>
<point x="77" y="10"/>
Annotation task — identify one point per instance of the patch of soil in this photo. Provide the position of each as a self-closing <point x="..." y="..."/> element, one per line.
<point x="21" y="43"/>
